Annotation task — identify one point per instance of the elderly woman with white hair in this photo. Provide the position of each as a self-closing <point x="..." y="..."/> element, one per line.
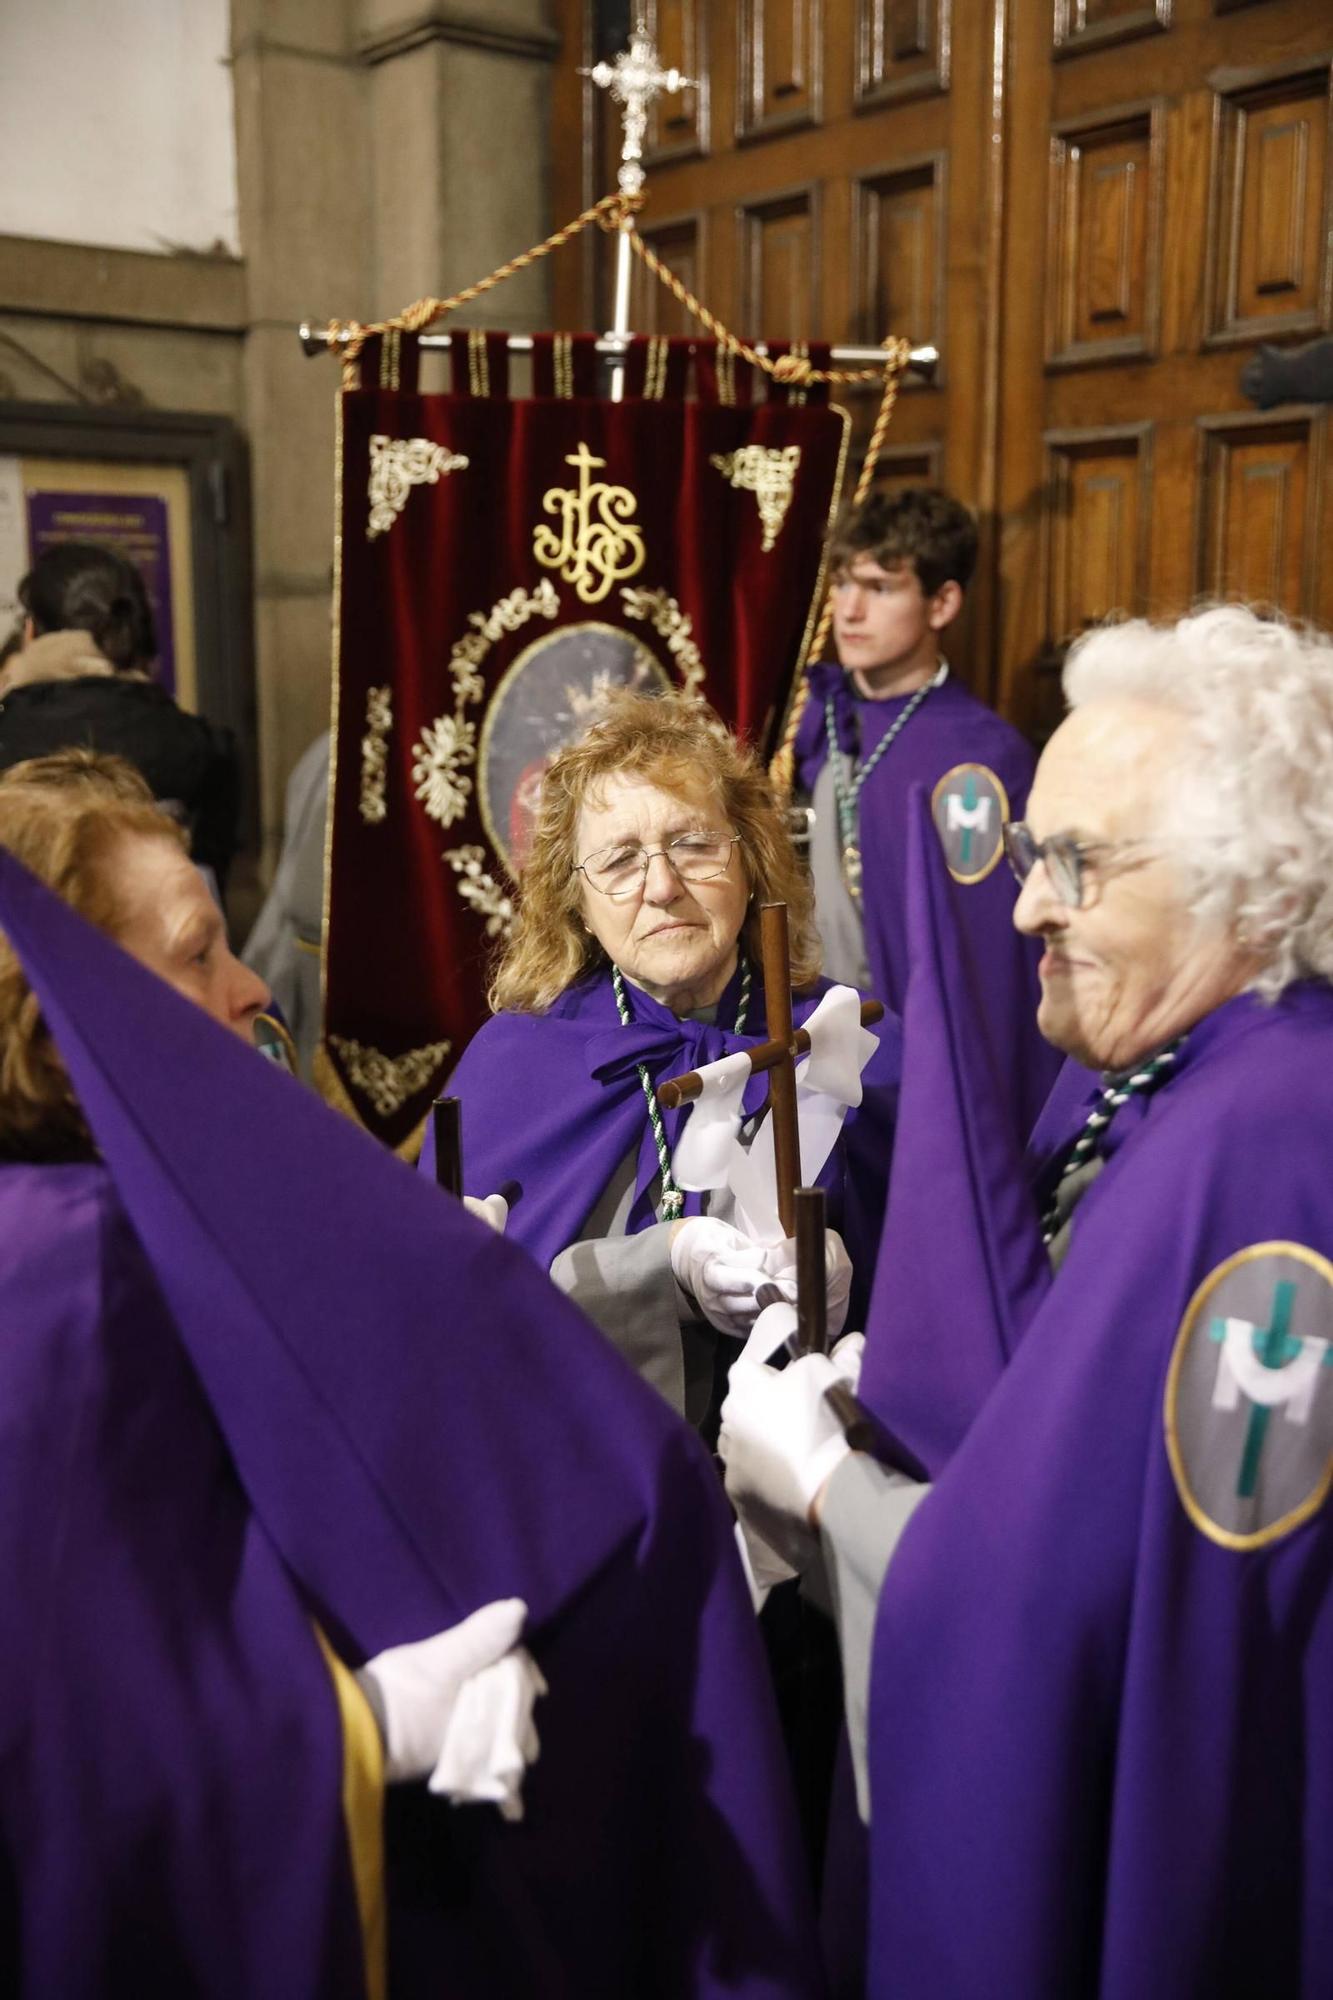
<point x="1099" y="1730"/>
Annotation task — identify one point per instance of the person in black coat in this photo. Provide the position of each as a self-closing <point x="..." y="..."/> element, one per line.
<point x="84" y="679"/>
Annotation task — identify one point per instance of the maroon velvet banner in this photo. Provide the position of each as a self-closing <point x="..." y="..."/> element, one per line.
<point x="501" y="562"/>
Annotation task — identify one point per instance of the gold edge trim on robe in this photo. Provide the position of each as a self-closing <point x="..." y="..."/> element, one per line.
<point x="363" y="1814"/>
<point x="1228" y="1538"/>
<point x="966" y="881"/>
<point x="795" y="703"/>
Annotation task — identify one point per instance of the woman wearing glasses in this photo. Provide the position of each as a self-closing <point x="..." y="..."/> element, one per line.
<point x="635" y="957"/>
<point x="1100" y="1646"/>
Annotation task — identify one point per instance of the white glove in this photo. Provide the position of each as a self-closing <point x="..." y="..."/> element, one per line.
<point x="456" y="1709"/>
<point x="780" y="1442"/>
<point x="720" y="1270"/>
<point x="837" y="1274"/>
<point x="847" y="1357"/>
<point x="491" y="1208"/>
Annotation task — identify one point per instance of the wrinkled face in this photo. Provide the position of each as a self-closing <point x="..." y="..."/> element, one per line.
<point x="884" y="624"/>
<point x="1133" y="967"/>
<point x="677" y="940"/>
<point x="170" y="923"/>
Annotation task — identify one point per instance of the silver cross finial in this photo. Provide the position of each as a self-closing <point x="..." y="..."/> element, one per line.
<point x="634" y="79"/>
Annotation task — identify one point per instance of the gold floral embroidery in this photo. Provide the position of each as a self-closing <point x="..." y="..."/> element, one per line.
<point x="447" y="748"/>
<point x="374" y="753"/>
<point x="660" y="610"/>
<point x="598" y="542"/>
<point x="480" y="890"/>
<point x="443" y="748"/>
<point x="767" y="471"/>
<point x="389" y="1081"/>
<point x="396" y="466"/>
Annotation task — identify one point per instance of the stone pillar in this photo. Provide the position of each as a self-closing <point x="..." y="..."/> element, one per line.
<point x="305" y="207"/>
<point x="459" y="117"/>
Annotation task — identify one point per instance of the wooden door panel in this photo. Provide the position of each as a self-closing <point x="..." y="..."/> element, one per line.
<point x="779" y="265"/>
<point x="1097" y="506"/>
<point x="900" y="232"/>
<point x="1271" y="266"/>
<point x="680" y="245"/>
<point x="1260" y="513"/>
<point x="902" y="50"/>
<point x="678" y="125"/>
<point x="1080" y="25"/>
<point x="1104" y="279"/>
<point x="780" y="65"/>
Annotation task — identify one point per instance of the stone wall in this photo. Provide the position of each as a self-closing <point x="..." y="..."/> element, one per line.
<point x="382" y="153"/>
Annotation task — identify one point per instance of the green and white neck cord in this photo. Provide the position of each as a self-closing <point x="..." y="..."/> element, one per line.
<point x="848" y="795"/>
<point x="1137" y="1084"/>
<point x="673" y="1200"/>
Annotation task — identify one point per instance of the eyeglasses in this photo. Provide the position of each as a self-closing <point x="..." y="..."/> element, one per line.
<point x="621" y="870"/>
<point x="1068" y="861"/>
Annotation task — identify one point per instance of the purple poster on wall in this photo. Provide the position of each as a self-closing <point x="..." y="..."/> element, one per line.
<point x="133" y="523"/>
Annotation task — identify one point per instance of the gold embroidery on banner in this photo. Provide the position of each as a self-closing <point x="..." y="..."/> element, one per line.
<point x="391" y="355"/>
<point x="655" y="369"/>
<point x="562" y="363"/>
<point x="396" y="466"/>
<point x="591" y="553"/>
<point x="726" y="377"/>
<point x="660" y="610"/>
<point x="388" y="1081"/>
<point x="478" y="363"/>
<point x="374" y="754"/>
<point x="480" y="890"/>
<point x="767" y="471"/>
<point x="446" y="748"/>
<point x="800" y="350"/>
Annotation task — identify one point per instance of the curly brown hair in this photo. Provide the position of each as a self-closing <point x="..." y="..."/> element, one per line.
<point x="921" y="527"/>
<point x="682" y="746"/>
<point x="60" y="815"/>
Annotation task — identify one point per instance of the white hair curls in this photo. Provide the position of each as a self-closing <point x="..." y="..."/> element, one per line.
<point x="1249" y="818"/>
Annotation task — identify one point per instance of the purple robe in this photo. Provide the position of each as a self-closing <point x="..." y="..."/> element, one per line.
<point x="962" y="1268"/>
<point x="552" y="1103"/>
<point x="418" y="1423"/>
<point x="153" y="1644"/>
<point x="1101" y="1734"/>
<point x="950" y="729"/>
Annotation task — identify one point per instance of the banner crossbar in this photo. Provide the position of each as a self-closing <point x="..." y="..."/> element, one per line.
<point x="319" y="339"/>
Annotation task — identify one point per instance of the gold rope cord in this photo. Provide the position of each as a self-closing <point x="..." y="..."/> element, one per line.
<point x="616" y="212"/>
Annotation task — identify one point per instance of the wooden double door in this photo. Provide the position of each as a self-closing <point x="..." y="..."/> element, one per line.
<point x="1096" y="209"/>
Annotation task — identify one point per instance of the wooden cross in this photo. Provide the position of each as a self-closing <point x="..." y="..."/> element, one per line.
<point x="800" y="1210"/>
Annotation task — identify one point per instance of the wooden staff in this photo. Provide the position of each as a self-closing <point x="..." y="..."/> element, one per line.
<point x="776" y="956"/>
<point x="447" y="1126"/>
<point x="811" y="1272"/>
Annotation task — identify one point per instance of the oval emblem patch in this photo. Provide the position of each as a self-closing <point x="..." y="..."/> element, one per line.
<point x="970" y="807"/>
<point x="1249" y="1395"/>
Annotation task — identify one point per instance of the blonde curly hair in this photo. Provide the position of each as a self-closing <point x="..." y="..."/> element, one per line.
<point x="680" y="745"/>
<point x="60" y="815"/>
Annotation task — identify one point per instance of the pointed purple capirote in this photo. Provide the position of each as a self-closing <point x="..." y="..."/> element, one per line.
<point x="420" y="1424"/>
<point x="962" y="1267"/>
